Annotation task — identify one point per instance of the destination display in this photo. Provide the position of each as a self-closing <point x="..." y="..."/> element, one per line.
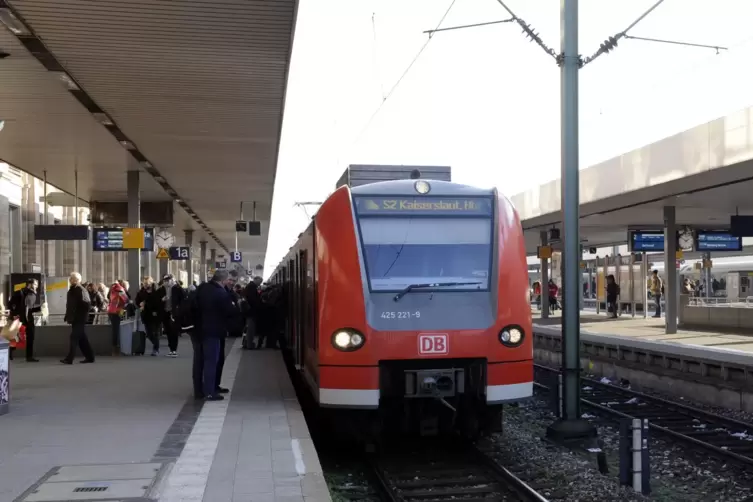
<point x="111" y="239"/>
<point x="718" y="241"/>
<point x="424" y="206"/>
<point x="646" y="241"/>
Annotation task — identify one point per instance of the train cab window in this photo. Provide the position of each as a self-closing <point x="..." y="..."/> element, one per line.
<point x="415" y="250"/>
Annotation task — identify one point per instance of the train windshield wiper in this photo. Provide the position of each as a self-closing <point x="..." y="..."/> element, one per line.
<point x="411" y="287"/>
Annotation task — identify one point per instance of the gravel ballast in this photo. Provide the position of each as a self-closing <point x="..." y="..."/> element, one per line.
<point x="677" y="474"/>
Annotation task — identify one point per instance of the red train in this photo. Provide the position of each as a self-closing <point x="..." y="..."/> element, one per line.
<point x="409" y="308"/>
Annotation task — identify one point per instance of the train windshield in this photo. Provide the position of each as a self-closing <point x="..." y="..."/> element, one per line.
<point x="400" y="251"/>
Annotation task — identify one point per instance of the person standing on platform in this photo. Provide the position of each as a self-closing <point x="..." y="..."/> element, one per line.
<point x="118" y="299"/>
<point x="172" y="298"/>
<point x="657" y="290"/>
<point x="23" y="304"/>
<point x="76" y="314"/>
<point x="253" y="311"/>
<point x="216" y="309"/>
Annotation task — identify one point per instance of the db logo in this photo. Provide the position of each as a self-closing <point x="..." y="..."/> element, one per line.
<point x="433" y="344"/>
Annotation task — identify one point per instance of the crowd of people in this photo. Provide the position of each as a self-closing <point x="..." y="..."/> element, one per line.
<point x="208" y="313"/>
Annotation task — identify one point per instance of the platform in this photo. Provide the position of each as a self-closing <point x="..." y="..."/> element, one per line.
<point x="128" y="429"/>
<point x="650" y="329"/>
<point x="712" y="368"/>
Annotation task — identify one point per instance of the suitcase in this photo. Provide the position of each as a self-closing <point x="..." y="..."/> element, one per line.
<point x="139" y="343"/>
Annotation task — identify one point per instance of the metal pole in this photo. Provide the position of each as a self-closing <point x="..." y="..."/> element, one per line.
<point x="544" y="296"/>
<point x="632" y="284"/>
<point x="46" y="248"/>
<point x="670" y="270"/>
<point x="75" y="193"/>
<point x="707" y="277"/>
<point x="644" y="286"/>
<point x="571" y="426"/>
<point x="597" y="292"/>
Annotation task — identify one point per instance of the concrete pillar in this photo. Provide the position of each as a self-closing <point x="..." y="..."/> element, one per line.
<point x="134" y="221"/>
<point x="670" y="270"/>
<point x="189" y="263"/>
<point x="544" y="279"/>
<point x="203" y="261"/>
<point x="69" y="247"/>
<point x="212" y="257"/>
<point x="29" y="215"/>
<point x="5" y="249"/>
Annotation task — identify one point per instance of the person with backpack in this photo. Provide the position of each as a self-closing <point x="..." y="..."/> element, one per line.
<point x="23" y="305"/>
<point x="657" y="290"/>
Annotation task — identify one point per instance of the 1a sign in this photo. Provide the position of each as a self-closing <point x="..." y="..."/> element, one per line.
<point x="221" y="265"/>
<point x="180" y="253"/>
<point x="236" y="257"/>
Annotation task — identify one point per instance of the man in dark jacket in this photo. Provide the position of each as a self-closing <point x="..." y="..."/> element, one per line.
<point x="77" y="307"/>
<point x="253" y="298"/>
<point x="23" y="304"/>
<point x="172" y="298"/>
<point x="215" y="311"/>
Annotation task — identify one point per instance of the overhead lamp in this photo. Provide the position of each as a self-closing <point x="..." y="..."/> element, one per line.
<point x="103" y="118"/>
<point x="147" y="165"/>
<point x="9" y="19"/>
<point x="127" y="145"/>
<point x="68" y="81"/>
<point x="160" y="179"/>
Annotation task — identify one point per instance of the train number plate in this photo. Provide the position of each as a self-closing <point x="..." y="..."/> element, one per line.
<point x="433" y="344"/>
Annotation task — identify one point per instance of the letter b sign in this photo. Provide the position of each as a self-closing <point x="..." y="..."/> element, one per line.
<point x="236" y="257"/>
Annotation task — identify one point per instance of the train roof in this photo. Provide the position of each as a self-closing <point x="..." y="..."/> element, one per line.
<point x="406" y="187"/>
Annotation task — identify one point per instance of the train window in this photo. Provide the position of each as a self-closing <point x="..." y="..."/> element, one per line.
<point x="403" y="251"/>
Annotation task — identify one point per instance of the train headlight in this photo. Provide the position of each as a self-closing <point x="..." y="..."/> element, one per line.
<point x="511" y="336"/>
<point x="347" y="340"/>
<point x="422" y="187"/>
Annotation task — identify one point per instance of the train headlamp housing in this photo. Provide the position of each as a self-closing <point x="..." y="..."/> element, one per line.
<point x="422" y="187"/>
<point x="348" y="339"/>
<point x="511" y="336"/>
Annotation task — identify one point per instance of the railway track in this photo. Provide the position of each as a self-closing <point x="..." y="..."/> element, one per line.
<point x="448" y="472"/>
<point x="724" y="437"/>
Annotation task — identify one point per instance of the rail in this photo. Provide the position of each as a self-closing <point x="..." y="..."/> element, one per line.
<point x="724" y="437"/>
<point x="456" y="472"/>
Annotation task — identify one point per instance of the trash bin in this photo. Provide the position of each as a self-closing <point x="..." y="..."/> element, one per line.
<point x="4" y="376"/>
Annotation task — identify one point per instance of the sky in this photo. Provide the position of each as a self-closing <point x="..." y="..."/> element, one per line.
<point x="485" y="100"/>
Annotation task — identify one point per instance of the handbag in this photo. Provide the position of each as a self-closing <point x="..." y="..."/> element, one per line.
<point x="10" y="330"/>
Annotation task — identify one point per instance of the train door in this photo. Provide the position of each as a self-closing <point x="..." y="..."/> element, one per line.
<point x="295" y="331"/>
<point x="302" y="303"/>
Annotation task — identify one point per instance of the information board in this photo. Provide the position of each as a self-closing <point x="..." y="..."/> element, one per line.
<point x="718" y="241"/>
<point x="424" y="206"/>
<point x="111" y="239"/>
<point x="646" y="241"/>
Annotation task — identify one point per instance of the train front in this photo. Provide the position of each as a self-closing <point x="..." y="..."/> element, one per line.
<point x="446" y="333"/>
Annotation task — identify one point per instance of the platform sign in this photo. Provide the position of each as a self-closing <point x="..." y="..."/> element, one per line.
<point x="646" y="241"/>
<point x="133" y="238"/>
<point x="220" y="265"/>
<point x="236" y="257"/>
<point x="113" y="239"/>
<point x="241" y="226"/>
<point x="180" y="253"/>
<point x="717" y="241"/>
<point x="162" y="254"/>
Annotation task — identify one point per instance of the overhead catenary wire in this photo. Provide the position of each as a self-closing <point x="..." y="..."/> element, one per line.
<point x="611" y="43"/>
<point x="403" y="75"/>
<point x="529" y="31"/>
